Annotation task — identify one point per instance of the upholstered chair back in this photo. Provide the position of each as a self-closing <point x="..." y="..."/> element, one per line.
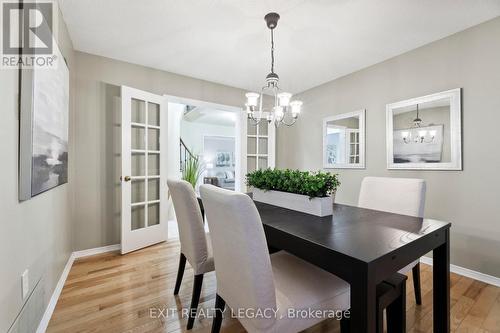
<point x="404" y="196"/>
<point x="242" y="263"/>
<point x="190" y="223"/>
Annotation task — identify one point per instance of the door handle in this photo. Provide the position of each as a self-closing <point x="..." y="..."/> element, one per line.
<point x="127" y="178"/>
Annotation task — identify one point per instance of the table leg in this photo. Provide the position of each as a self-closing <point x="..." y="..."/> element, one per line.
<point x="441" y="285"/>
<point x="363" y="304"/>
<point x="202" y="209"/>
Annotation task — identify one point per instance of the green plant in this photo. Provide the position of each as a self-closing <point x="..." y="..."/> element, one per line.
<point x="313" y="184"/>
<point x="192" y="170"/>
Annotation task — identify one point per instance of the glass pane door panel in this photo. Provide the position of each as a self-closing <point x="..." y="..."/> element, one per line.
<point x="262" y="162"/>
<point x="137" y="138"/>
<point x="251" y="146"/>
<point x="138" y="164"/>
<point x="153" y="189"/>
<point x="138" y="191"/>
<point x="262" y="145"/>
<point x="153" y="214"/>
<point x="153" y="114"/>
<point x="263" y="128"/>
<point x="153" y="164"/>
<point x="251" y="163"/>
<point x="138" y="217"/>
<point x="138" y="111"/>
<point x="153" y="139"/>
<point x="251" y="128"/>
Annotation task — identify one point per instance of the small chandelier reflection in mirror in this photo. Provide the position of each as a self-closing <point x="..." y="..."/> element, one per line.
<point x="285" y="111"/>
<point x="423" y="136"/>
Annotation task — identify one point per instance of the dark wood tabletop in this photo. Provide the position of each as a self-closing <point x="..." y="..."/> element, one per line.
<point x="364" y="247"/>
<point x="363" y="234"/>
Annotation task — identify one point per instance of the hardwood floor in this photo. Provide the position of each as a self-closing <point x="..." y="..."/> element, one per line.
<point x="114" y="293"/>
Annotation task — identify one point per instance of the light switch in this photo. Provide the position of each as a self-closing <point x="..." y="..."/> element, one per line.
<point x="25" y="283"/>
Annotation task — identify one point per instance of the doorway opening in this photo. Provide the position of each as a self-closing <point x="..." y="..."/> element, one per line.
<point x="209" y="135"/>
<point x="213" y="135"/>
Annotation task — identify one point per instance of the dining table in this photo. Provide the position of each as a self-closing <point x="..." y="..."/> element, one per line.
<point x="364" y="247"/>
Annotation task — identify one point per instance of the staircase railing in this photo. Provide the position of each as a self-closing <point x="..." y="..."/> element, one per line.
<point x="185" y="155"/>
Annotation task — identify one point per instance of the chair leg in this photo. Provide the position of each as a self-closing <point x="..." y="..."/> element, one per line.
<point x="416" y="284"/>
<point x="180" y="273"/>
<point x="220" y="305"/>
<point x="396" y="313"/>
<point x="380" y="319"/>
<point x="345" y="325"/>
<point x="198" y="281"/>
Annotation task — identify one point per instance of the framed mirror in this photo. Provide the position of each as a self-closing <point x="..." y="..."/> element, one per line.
<point x="424" y="133"/>
<point x="344" y="141"/>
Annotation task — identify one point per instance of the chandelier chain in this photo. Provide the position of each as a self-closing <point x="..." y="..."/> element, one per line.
<point x="272" y="51"/>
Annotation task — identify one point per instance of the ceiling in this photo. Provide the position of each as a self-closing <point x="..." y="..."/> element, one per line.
<point x="210" y="116"/>
<point x="226" y="41"/>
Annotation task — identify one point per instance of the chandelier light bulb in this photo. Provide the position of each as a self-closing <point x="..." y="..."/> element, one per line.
<point x="432" y="133"/>
<point x="252" y="99"/>
<point x="296" y="107"/>
<point x="422" y="134"/>
<point x="405" y="134"/>
<point x="284" y="99"/>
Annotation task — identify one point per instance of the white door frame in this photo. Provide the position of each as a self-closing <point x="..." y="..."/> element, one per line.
<point x="132" y="240"/>
<point x="240" y="135"/>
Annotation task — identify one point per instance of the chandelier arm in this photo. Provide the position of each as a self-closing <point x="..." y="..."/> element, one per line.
<point x="261" y="99"/>
<point x="275" y="91"/>
<point x="254" y="121"/>
<point x="288" y="124"/>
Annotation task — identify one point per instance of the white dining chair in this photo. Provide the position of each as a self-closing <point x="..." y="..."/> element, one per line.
<point x="195" y="243"/>
<point x="404" y="196"/>
<point x="249" y="278"/>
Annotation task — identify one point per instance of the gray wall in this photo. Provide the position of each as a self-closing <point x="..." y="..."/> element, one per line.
<point x="468" y="198"/>
<point x="97" y="136"/>
<point x="35" y="234"/>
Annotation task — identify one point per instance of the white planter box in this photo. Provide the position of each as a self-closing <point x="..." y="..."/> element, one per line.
<point x="298" y="202"/>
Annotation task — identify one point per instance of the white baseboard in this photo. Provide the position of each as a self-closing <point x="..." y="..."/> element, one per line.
<point x="96" y="250"/>
<point x="493" y="280"/>
<point x="44" y="322"/>
<point x="55" y="296"/>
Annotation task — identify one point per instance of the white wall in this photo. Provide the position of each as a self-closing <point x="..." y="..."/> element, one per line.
<point x="219" y="144"/>
<point x="192" y="134"/>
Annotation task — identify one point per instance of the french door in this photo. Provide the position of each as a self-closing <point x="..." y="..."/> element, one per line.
<point x="144" y="175"/>
<point x="260" y="145"/>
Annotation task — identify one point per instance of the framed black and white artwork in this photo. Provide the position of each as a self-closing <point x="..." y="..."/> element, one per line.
<point x="43" y="151"/>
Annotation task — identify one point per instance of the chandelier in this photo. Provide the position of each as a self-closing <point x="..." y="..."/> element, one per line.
<point x="284" y="110"/>
<point x="420" y="135"/>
